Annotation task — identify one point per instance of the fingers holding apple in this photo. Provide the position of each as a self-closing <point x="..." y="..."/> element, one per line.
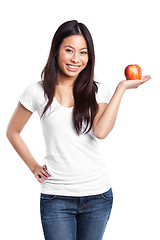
<point x="134" y="77"/>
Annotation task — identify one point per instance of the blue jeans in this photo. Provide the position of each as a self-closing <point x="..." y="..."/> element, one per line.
<point x="75" y="218"/>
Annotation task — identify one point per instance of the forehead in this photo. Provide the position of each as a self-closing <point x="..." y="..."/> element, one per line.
<point x="75" y="41"/>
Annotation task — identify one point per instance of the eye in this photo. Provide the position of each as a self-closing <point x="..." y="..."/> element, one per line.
<point x="68" y="50"/>
<point x="83" y="52"/>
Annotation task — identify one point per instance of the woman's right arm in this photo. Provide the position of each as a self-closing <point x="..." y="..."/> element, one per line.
<point x="18" y="120"/>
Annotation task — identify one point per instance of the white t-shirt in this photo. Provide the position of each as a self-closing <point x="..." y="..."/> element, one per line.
<point x="75" y="163"/>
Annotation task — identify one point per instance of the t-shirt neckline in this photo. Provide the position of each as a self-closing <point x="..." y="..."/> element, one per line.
<point x="63" y="105"/>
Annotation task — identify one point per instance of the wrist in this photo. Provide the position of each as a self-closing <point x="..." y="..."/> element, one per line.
<point x="121" y="87"/>
<point x="33" y="167"/>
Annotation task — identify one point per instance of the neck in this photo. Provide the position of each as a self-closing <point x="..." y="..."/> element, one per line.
<point x="65" y="81"/>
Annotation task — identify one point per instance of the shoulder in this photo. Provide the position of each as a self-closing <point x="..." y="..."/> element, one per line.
<point x="34" y="89"/>
<point x="32" y="95"/>
<point x="36" y="86"/>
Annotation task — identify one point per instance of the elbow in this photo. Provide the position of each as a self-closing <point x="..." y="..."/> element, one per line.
<point x="102" y="132"/>
<point x="102" y="135"/>
<point x="10" y="133"/>
<point x="7" y="133"/>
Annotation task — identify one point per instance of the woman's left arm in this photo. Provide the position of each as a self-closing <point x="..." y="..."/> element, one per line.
<point x="104" y="124"/>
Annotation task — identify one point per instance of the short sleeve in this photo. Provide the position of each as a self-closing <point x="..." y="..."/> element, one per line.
<point x="103" y="95"/>
<point x="27" y="98"/>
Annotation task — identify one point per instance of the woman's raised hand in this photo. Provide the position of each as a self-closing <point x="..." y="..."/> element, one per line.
<point x="127" y="84"/>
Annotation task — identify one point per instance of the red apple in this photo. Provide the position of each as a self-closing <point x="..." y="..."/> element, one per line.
<point x="133" y="72"/>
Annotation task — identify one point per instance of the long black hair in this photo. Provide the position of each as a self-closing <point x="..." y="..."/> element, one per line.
<point x="84" y="87"/>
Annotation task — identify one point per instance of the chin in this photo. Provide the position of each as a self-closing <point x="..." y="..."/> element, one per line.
<point x="72" y="74"/>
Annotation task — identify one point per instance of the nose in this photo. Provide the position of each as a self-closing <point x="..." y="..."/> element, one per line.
<point x="75" y="58"/>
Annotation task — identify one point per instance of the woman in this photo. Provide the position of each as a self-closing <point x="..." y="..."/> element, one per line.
<point x="76" y="195"/>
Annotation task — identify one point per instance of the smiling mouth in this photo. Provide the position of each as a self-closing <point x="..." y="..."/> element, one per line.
<point x="73" y="66"/>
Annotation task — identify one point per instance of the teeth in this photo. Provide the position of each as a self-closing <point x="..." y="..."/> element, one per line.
<point x="73" y="66"/>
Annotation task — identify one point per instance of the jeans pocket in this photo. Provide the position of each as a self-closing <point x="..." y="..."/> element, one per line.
<point x="108" y="195"/>
<point x="44" y="198"/>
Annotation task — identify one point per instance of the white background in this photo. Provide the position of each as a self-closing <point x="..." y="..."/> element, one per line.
<point x="124" y="32"/>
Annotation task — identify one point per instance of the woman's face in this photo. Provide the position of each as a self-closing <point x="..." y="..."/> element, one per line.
<point x="72" y="56"/>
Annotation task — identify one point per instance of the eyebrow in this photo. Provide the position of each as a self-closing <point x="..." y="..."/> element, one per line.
<point x="73" y="47"/>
